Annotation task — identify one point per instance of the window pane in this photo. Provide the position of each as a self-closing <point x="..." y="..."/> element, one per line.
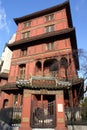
<point x="49" y="17"/>
<point x="22" y="71"/>
<point x="24" y="52"/>
<point x="25" y="35"/>
<point x="47" y="29"/>
<point x="50" y="46"/>
<point x="50" y="28"/>
<point x="15" y="100"/>
<point x="27" y="24"/>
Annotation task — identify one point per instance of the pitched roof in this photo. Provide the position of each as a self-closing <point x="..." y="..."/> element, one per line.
<point x="37" y="83"/>
<point x="50" y="83"/>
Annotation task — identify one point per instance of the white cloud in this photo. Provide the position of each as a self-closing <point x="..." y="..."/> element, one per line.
<point x="3" y="21"/>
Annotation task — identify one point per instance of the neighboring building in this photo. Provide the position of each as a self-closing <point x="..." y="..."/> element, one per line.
<point x="5" y="62"/>
<point x="43" y="76"/>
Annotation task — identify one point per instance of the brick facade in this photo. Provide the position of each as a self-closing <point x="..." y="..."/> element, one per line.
<point x="44" y="46"/>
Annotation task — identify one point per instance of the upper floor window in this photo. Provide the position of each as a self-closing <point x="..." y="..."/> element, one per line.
<point x="27" y="24"/>
<point x="25" y="34"/>
<point x="49" y="28"/>
<point x="49" y="17"/>
<point x="22" y="68"/>
<point x="24" y="52"/>
<point x="64" y="62"/>
<point x="50" y="46"/>
<point x="5" y="103"/>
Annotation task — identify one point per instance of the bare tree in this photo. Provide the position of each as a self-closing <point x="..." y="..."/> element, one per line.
<point x="83" y="63"/>
<point x="82" y="72"/>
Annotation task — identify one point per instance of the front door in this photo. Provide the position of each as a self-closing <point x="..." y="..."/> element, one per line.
<point x="43" y="111"/>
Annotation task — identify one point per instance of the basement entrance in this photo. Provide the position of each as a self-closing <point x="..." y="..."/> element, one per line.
<point x="43" y="111"/>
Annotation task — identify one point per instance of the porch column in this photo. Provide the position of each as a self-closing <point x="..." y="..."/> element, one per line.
<point x="71" y="98"/>
<point x="76" y="98"/>
<point x="42" y="65"/>
<point x="60" y="118"/>
<point x="26" y="108"/>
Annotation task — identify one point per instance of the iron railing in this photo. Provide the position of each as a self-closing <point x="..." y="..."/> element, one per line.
<point x="16" y="118"/>
<point x="76" y="115"/>
<point x="10" y="115"/>
<point x="43" y="115"/>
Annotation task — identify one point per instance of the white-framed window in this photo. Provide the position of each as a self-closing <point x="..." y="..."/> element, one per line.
<point x="49" y="17"/>
<point x="24" y="52"/>
<point x="25" y="34"/>
<point x="27" y="24"/>
<point x="22" y="68"/>
<point x="49" y="28"/>
<point x="50" y="46"/>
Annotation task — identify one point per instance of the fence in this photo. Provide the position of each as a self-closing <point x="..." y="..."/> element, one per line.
<point x="76" y="116"/>
<point x="10" y="115"/>
<point x="43" y="115"/>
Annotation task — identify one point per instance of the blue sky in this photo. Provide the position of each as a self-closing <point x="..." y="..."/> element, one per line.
<point x="10" y="9"/>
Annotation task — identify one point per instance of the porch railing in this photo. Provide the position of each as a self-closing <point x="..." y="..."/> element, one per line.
<point x="76" y="115"/>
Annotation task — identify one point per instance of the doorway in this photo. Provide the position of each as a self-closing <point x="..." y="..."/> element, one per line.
<point x="43" y="111"/>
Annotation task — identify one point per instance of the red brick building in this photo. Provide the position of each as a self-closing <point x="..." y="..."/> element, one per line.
<point x="43" y="76"/>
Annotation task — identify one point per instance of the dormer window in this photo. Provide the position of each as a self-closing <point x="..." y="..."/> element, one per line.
<point x="49" y="17"/>
<point x="27" y="24"/>
<point x="25" y="34"/>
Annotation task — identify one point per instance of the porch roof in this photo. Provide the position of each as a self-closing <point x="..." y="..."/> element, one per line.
<point x="8" y="86"/>
<point x="35" y="82"/>
<point x="43" y="83"/>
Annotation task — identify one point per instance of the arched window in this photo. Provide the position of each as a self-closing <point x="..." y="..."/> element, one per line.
<point x="63" y="68"/>
<point x="64" y="62"/>
<point x="54" y="65"/>
<point x="50" y="67"/>
<point x="22" y="71"/>
<point x="5" y="103"/>
<point x="38" y="68"/>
